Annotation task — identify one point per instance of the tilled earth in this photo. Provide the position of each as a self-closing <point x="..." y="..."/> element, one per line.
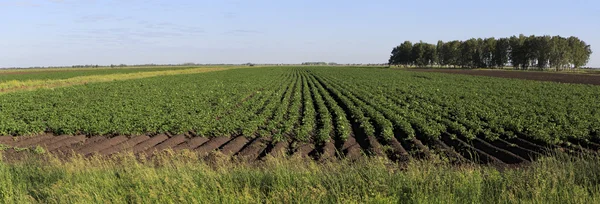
<point x="502" y="152"/>
<point x="529" y="75"/>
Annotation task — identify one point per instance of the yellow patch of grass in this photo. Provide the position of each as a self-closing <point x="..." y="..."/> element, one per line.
<point x="14" y="85"/>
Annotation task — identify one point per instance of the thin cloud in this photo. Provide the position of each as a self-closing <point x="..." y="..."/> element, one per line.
<point x="243" y="32"/>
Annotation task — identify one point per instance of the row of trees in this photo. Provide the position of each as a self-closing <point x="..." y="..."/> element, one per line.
<point x="319" y="63"/>
<point x="522" y="52"/>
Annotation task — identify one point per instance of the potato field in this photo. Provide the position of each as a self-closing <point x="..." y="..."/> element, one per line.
<point x="323" y="113"/>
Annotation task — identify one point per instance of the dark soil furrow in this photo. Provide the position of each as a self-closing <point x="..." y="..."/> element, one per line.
<point x="103" y="145"/>
<point x="585" y="144"/>
<point x="353" y="152"/>
<point x="279" y="149"/>
<point x="472" y="153"/>
<point x="397" y="153"/>
<point x="167" y="144"/>
<point x="516" y="149"/>
<point x="448" y="152"/>
<point x="54" y="139"/>
<point x="7" y="140"/>
<point x="32" y="141"/>
<point x="254" y="150"/>
<point x="212" y="145"/>
<point x="125" y="146"/>
<point x="349" y="142"/>
<point x="417" y="149"/>
<point x="192" y="143"/>
<point x="234" y="145"/>
<point x="542" y="148"/>
<point x="575" y="148"/>
<point x="303" y="150"/>
<point x="328" y="151"/>
<point x="149" y="143"/>
<point x="67" y="142"/>
<point x="504" y="155"/>
<point x="86" y="144"/>
<point x="375" y="147"/>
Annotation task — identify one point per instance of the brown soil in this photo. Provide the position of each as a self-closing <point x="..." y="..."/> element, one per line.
<point x="6" y="140"/>
<point x="31" y="141"/>
<point x="55" y="139"/>
<point x="149" y="143"/>
<point x="212" y="145"/>
<point x="191" y="143"/>
<point x="303" y="150"/>
<point x="254" y="149"/>
<point x="529" y="75"/>
<point x="234" y="146"/>
<point x="279" y="149"/>
<point x="167" y="144"/>
<point x="127" y="145"/>
<point x="96" y="147"/>
<point x="501" y="153"/>
<point x="65" y="142"/>
<point x="397" y="153"/>
<point x="328" y="151"/>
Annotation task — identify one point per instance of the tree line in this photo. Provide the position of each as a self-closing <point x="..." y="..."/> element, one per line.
<point x="521" y="52"/>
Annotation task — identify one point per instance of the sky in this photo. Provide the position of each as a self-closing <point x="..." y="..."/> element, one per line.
<point x="74" y="32"/>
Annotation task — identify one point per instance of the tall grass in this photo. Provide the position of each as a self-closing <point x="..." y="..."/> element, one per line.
<point x="183" y="178"/>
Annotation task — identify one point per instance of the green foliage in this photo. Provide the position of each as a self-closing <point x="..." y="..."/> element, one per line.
<point x="431" y="104"/>
<point x="311" y="104"/>
<point x="521" y="51"/>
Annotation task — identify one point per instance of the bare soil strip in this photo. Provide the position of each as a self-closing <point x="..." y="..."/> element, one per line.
<point x="500" y="153"/>
<point x="212" y="145"/>
<point x="191" y="143"/>
<point x="153" y="141"/>
<point x="96" y="147"/>
<point x="234" y="146"/>
<point x="254" y="149"/>
<point x="279" y="149"/>
<point x="66" y="142"/>
<point x="528" y="75"/>
<point x="167" y="144"/>
<point x="125" y="145"/>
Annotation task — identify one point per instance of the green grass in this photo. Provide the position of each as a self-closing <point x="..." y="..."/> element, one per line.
<point x="182" y="178"/>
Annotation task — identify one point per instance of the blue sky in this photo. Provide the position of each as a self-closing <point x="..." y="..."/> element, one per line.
<point x="67" y="32"/>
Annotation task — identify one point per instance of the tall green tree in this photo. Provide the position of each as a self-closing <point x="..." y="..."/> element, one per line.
<point x="488" y="48"/>
<point x="518" y="51"/>
<point x="405" y="52"/>
<point x="523" y="52"/>
<point x="439" y="49"/>
<point x="580" y="52"/>
<point x="418" y="54"/>
<point x="451" y="52"/>
<point x="501" y="52"/>
<point x="559" y="53"/>
<point x="431" y="56"/>
<point x="468" y="53"/>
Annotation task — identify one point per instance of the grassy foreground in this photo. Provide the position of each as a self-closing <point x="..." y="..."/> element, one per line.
<point x="182" y="178"/>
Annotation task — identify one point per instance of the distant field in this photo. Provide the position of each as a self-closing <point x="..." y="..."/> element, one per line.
<point x="581" y="77"/>
<point x="65" y="73"/>
<point x="68" y="77"/>
<point x="318" y="112"/>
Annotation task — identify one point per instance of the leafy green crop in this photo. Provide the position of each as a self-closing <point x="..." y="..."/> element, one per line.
<point x="314" y="104"/>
